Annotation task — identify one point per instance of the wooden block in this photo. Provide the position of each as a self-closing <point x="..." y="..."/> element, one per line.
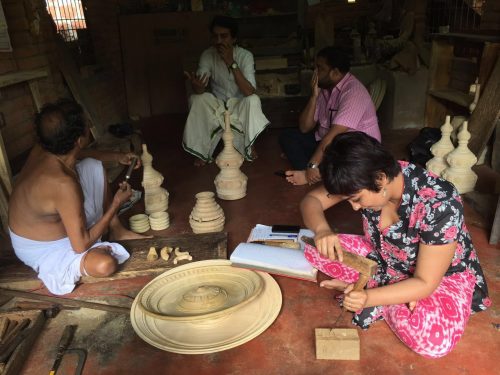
<point x="337" y="343"/>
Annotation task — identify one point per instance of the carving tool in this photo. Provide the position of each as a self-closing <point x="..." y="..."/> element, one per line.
<point x="130" y="168"/>
<point x="62" y="348"/>
<point x="334" y="344"/>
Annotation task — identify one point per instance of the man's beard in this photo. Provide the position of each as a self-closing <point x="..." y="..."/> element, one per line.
<point x="325" y="84"/>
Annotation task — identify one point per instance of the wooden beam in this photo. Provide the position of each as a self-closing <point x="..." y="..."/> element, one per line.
<point x="22" y="76"/>
<point x="439" y="78"/>
<point x="15" y="275"/>
<point x="482" y="122"/>
<point x="65" y="301"/>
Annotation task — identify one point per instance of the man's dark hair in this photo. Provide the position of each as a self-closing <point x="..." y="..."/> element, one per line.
<point x="335" y="58"/>
<point x="58" y="126"/>
<point x="227" y="23"/>
<point x="356" y="161"/>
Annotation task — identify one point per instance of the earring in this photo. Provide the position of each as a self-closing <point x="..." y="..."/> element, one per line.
<point x="384" y="192"/>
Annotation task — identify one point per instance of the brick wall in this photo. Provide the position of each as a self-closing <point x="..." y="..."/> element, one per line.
<point x="33" y="50"/>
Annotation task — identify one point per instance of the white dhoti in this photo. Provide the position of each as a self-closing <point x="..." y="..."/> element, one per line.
<point x="205" y="124"/>
<point x="56" y="263"/>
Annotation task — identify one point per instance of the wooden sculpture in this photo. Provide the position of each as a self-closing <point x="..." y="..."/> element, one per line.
<point x="152" y="254"/>
<point x="155" y="197"/>
<point x="230" y="183"/>
<point x="159" y="220"/>
<point x="139" y="223"/>
<point x="181" y="255"/>
<point x="206" y="216"/>
<point x="441" y="149"/>
<point x="205" y="307"/>
<point x="461" y="161"/>
<point x="165" y="253"/>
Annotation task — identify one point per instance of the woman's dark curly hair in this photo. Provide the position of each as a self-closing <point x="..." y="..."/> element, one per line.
<point x="356" y="161"/>
<point x="58" y="126"/>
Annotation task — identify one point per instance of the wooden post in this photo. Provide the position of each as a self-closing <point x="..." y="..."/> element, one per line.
<point x="482" y="122"/>
<point x="439" y="77"/>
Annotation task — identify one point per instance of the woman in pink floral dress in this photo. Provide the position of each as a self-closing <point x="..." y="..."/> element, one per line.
<point x="429" y="279"/>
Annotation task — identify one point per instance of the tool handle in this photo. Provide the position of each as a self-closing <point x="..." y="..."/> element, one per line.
<point x="64" y="342"/>
<point x="66" y="337"/>
<point x="366" y="267"/>
<point x="130" y="168"/>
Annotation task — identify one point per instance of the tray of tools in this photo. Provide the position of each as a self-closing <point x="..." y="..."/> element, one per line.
<point x="18" y="332"/>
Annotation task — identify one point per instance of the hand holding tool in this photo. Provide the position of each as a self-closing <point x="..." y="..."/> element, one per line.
<point x="342" y="343"/>
<point x="366" y="267"/>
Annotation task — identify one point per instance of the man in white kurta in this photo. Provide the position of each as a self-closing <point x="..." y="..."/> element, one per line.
<point x="228" y="70"/>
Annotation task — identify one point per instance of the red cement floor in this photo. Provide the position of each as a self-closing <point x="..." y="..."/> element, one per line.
<point x="287" y="347"/>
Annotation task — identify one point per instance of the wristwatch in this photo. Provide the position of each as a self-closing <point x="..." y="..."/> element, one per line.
<point x="312" y="165"/>
<point x="234" y="66"/>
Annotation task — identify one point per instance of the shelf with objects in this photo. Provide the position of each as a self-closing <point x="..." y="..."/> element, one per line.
<point x="276" y="41"/>
<point x="458" y="62"/>
<point x="276" y="44"/>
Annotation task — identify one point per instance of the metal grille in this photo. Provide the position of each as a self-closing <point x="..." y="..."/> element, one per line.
<point x="455" y="16"/>
<point x="68" y="16"/>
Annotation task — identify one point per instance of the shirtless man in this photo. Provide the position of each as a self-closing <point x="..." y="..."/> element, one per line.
<point x="60" y="206"/>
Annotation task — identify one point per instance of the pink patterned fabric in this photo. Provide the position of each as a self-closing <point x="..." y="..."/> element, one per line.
<point x="437" y="322"/>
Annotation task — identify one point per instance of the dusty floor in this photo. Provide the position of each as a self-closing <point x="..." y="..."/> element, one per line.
<point x="287" y="347"/>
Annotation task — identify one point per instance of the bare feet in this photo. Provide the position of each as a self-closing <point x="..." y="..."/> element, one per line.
<point x="199" y="163"/>
<point x="118" y="232"/>
<point x="296" y="177"/>
<point x="334" y="284"/>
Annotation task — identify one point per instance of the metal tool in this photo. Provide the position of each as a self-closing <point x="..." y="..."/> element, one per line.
<point x="62" y="349"/>
<point x="130" y="168"/>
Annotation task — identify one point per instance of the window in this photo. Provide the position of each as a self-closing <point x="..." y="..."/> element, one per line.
<point x="68" y="16"/>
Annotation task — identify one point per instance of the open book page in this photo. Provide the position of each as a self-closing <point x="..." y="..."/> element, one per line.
<point x="277" y="260"/>
<point x="264" y="233"/>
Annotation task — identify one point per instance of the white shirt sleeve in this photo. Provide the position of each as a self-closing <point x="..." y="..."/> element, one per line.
<point x="247" y="67"/>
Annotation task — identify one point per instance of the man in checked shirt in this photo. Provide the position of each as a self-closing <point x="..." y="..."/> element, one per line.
<point x="339" y="103"/>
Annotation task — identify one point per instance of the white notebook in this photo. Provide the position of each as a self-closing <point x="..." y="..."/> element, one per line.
<point x="276" y="260"/>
